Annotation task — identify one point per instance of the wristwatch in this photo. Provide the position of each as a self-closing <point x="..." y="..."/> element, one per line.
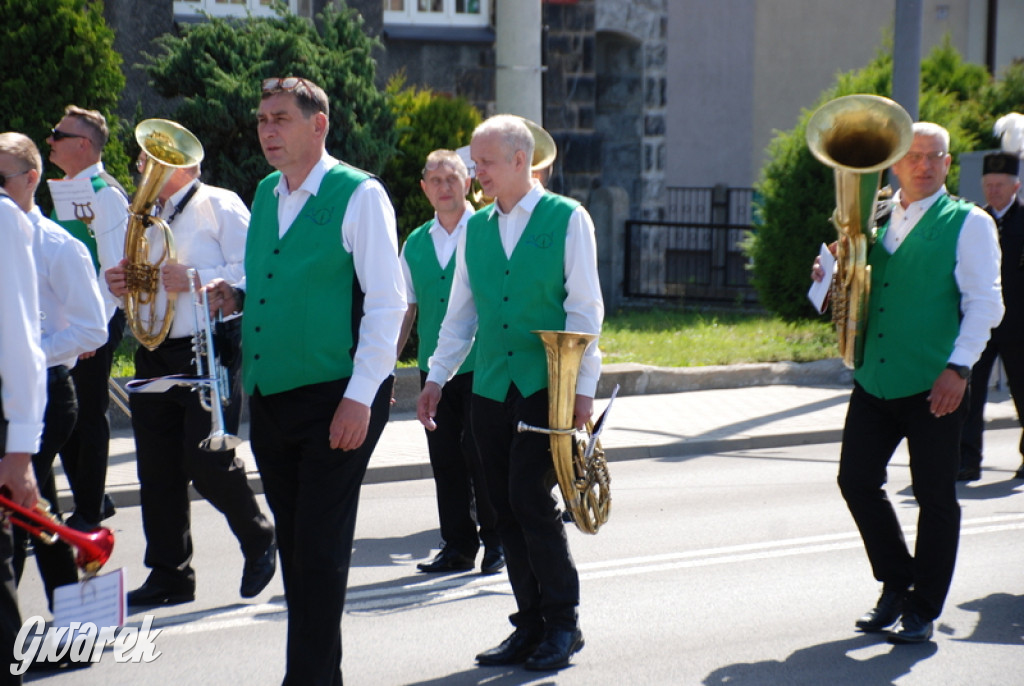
<point x="962" y="370"/>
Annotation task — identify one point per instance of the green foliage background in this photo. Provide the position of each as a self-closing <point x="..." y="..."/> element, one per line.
<point x="216" y="68"/>
<point x="797" y="191"/>
<point x="57" y="53"/>
<point x="426" y="121"/>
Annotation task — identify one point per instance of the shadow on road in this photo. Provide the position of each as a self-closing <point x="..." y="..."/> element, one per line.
<point x="827" y="663"/>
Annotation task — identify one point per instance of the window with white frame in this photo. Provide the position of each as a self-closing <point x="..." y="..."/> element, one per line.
<point x="438" y="12"/>
<point x="229" y="8"/>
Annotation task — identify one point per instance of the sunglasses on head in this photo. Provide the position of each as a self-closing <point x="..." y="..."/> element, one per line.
<point x="287" y="83"/>
<point x="59" y="135"/>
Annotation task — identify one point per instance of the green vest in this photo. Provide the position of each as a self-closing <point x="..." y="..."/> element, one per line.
<point x="914" y="308"/>
<point x="515" y="296"/>
<point x="433" y="286"/>
<point x="298" y="327"/>
<point x="79" y="230"/>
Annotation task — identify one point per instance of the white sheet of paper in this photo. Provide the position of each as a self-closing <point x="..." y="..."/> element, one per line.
<point x="818" y="292"/>
<point x="72" y="198"/>
<point x="162" y="384"/>
<point x="100" y="600"/>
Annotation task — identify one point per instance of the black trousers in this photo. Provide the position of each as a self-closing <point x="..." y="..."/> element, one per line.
<point x="520" y="477"/>
<point x="874" y="428"/>
<point x="168" y="428"/>
<point x="1012" y="355"/>
<point x="87" y="449"/>
<point x="313" y="491"/>
<point x="56" y="561"/>
<point x="462" y="499"/>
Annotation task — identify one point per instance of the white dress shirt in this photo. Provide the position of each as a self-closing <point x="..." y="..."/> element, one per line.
<point x="73" y="319"/>
<point x="22" y="363"/>
<point x="584" y="306"/>
<point x="209" y="236"/>
<point x="368" y="231"/>
<point x="977" y="271"/>
<point x="108" y="228"/>
<point x="444" y="248"/>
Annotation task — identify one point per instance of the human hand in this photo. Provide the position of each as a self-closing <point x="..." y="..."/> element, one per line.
<point x="947" y="393"/>
<point x="19" y="479"/>
<point x="349" y="425"/>
<point x="426" y="406"/>
<point x="117" y="282"/>
<point x="583" y="411"/>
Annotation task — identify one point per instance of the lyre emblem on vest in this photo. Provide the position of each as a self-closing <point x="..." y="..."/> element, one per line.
<point x="321" y="216"/>
<point x="85" y="214"/>
<point x="541" y="240"/>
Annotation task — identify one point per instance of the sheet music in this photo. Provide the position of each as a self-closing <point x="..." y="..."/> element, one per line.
<point x="161" y="384"/>
<point x="818" y="293"/>
<point x="99" y="600"/>
<point x="72" y="198"/>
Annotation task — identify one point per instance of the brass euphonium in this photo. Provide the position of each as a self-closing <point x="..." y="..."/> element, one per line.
<point x="859" y="136"/>
<point x="168" y="146"/>
<point x="580" y="466"/>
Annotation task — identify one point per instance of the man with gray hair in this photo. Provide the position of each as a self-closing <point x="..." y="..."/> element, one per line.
<point x="428" y="264"/>
<point x="76" y="147"/>
<point x="935" y="296"/>
<point x="527" y="262"/>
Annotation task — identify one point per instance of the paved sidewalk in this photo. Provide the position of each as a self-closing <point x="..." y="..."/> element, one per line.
<point x="641" y="425"/>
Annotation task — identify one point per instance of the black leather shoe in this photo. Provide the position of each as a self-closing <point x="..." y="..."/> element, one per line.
<point x="448" y="560"/>
<point x="513" y="650"/>
<point x="885" y="613"/>
<point x="555" y="650"/>
<point x="1019" y="473"/>
<point x="911" y="629"/>
<point x="152" y="593"/>
<point x="108" y="507"/>
<point x="493" y="561"/>
<point x="258" y="572"/>
<point x="968" y="474"/>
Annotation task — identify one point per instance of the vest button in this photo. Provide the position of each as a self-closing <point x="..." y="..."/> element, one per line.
<point x="257" y="329"/>
<point x="505" y="298"/>
<point x="879" y="335"/>
<point x="270" y="276"/>
<point x="277" y="251"/>
<point x="882" y="360"/>
<point x="504" y="326"/>
<point x="263" y="301"/>
<point x="442" y="299"/>
<point x="510" y="353"/>
<point x="256" y="356"/>
<point x="442" y="277"/>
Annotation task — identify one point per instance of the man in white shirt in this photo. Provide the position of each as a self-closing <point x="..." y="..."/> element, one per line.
<point x="324" y="303"/>
<point x="209" y="226"/>
<point x="529" y="262"/>
<point x="22" y="392"/>
<point x="76" y="147"/>
<point x="72" y="321"/>
<point x="428" y="262"/>
<point x="935" y="296"/>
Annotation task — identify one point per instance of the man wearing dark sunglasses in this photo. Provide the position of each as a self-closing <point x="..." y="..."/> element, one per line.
<point x="325" y="300"/>
<point x="76" y="146"/>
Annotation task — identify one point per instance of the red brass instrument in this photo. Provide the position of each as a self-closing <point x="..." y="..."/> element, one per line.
<point x="93" y="548"/>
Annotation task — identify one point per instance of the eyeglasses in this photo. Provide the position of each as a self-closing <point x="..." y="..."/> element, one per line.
<point x="4" y="177"/>
<point x="287" y="83"/>
<point x="59" y="135"/>
<point x="918" y="157"/>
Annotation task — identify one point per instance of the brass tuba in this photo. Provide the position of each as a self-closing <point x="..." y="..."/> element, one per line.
<point x="859" y="136"/>
<point x="168" y="146"/>
<point x="581" y="469"/>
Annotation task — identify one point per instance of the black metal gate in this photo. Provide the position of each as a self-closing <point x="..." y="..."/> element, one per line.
<point x="695" y="254"/>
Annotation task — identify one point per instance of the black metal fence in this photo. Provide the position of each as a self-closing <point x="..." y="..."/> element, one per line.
<point x="695" y="254"/>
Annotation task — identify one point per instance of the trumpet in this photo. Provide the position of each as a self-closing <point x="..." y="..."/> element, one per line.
<point x="93" y="549"/>
<point x="212" y="384"/>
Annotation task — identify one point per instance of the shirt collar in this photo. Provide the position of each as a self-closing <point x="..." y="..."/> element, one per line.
<point x="528" y="202"/>
<point x="923" y="204"/>
<point x="90" y="171"/>
<point x="436" y="226"/>
<point x="311" y="184"/>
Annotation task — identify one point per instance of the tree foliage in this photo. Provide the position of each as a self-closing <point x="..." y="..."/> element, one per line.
<point x="58" y="53"/>
<point x="216" y="67"/>
<point x="797" y="191"/>
<point x="426" y="121"/>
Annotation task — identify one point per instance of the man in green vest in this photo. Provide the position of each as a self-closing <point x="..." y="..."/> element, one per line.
<point x="428" y="264"/>
<point x="527" y="262"/>
<point x="935" y="296"/>
<point x="324" y="302"/>
<point x="76" y="147"/>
